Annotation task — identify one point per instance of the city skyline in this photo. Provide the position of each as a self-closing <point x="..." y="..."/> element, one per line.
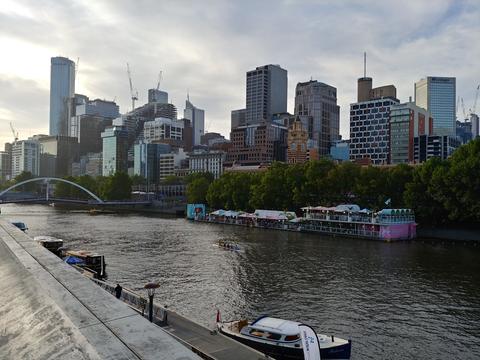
<point x="195" y="43"/>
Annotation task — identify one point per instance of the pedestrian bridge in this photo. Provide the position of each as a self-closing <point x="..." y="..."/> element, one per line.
<point x="47" y="198"/>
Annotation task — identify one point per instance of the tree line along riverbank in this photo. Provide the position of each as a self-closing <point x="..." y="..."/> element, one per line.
<point x="443" y="193"/>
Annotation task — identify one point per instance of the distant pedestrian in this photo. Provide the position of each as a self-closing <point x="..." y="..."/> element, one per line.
<point x="118" y="291"/>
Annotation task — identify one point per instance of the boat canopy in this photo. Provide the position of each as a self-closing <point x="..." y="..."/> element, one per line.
<point x="395" y="212"/>
<point x="46" y="238"/>
<point x="275" y="214"/>
<point x="339" y="208"/>
<point x="280" y="326"/>
<point x="226" y="213"/>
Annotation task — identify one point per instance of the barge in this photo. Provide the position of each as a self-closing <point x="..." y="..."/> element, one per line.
<point x="346" y="220"/>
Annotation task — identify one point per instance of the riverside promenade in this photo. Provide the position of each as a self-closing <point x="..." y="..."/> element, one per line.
<point x="48" y="310"/>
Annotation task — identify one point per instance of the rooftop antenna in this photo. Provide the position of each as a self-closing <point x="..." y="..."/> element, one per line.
<point x="364" y="64"/>
<point x="188" y="95"/>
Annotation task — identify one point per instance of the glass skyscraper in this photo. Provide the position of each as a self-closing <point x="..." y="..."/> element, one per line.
<point x="62" y="89"/>
<point x="437" y="95"/>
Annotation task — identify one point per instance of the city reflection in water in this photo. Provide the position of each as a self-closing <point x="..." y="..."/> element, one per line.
<point x="394" y="300"/>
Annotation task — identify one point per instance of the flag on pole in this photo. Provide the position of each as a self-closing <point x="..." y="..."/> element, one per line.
<point x="311" y="347"/>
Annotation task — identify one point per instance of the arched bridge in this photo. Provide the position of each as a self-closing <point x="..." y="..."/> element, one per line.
<point x="95" y="200"/>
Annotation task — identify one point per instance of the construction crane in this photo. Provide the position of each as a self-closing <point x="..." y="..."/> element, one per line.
<point x="159" y="79"/>
<point x="464" y="112"/>
<point x="474" y="107"/>
<point x="134" y="95"/>
<point x="15" y="133"/>
<point x="77" y="64"/>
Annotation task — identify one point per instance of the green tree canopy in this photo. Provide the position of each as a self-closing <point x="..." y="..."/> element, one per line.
<point x="117" y="187"/>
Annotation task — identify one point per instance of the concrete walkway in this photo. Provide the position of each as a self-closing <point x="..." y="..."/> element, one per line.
<point x="50" y="311"/>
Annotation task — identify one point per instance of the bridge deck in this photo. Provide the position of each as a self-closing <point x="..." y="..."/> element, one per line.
<point x="50" y="311"/>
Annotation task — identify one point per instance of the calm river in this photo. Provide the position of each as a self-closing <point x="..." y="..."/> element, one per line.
<point x="406" y="300"/>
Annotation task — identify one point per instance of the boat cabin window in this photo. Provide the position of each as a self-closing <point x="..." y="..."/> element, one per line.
<point x="292" y="337"/>
<point x="256" y="332"/>
<point x="273" y="336"/>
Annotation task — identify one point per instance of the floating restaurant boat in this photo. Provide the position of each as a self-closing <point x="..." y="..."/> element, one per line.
<point x="281" y="339"/>
<point x="343" y="220"/>
<point x="350" y="220"/>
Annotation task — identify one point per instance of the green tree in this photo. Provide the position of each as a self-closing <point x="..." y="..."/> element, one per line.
<point x="421" y="194"/>
<point x="340" y="183"/>
<point x="25" y="175"/>
<point x="457" y="184"/>
<point x="64" y="190"/>
<point x="117" y="187"/>
<point x="138" y="180"/>
<point x="231" y="191"/>
<point x="271" y="192"/>
<point x="172" y="180"/>
<point x="197" y="190"/>
<point x="370" y="188"/>
<point x="398" y="177"/>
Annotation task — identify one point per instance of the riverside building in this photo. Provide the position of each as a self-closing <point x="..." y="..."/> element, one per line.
<point x="300" y="148"/>
<point x="407" y="121"/>
<point x="316" y="105"/>
<point x="266" y="93"/>
<point x="200" y="161"/>
<point x="197" y="121"/>
<point x="25" y="157"/>
<point x="62" y="89"/>
<point x="370" y="122"/>
<point x="257" y="144"/>
<point x="437" y="95"/>
<point x="115" y="150"/>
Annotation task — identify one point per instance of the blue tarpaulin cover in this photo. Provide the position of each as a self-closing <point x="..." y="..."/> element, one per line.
<point x="72" y="260"/>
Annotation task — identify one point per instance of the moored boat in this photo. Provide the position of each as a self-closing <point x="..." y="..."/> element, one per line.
<point x="19" y="224"/>
<point x="281" y="338"/>
<point x="50" y="243"/>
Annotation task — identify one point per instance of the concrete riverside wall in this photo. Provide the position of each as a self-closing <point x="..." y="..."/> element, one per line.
<point x="48" y="310"/>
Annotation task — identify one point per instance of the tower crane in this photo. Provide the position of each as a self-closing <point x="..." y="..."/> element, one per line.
<point x="134" y="95"/>
<point x="159" y="79"/>
<point x="474" y="107"/>
<point x="464" y="112"/>
<point x="15" y="133"/>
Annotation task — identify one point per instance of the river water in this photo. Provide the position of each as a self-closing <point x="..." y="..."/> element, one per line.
<point x="404" y="300"/>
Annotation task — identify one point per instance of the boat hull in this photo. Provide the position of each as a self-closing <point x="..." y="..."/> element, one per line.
<point x="289" y="353"/>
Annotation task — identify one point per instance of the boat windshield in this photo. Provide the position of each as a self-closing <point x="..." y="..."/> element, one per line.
<point x="292" y="337"/>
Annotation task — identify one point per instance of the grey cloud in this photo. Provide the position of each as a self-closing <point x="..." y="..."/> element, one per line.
<point x="207" y="46"/>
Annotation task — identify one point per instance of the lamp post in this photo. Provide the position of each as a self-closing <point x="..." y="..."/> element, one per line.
<point x="150" y="287"/>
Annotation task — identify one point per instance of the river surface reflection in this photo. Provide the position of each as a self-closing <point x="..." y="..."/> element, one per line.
<point x="405" y="300"/>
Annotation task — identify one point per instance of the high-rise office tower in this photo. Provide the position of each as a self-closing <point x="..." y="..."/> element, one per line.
<point x="316" y="105"/>
<point x="115" y="150"/>
<point x="62" y="89"/>
<point x="197" y="119"/>
<point x="437" y="95"/>
<point x="266" y="93"/>
<point x="25" y="157"/>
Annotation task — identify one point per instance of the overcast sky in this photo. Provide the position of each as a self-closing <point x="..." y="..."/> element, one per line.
<point x="207" y="46"/>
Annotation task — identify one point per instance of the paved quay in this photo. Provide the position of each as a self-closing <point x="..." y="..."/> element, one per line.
<point x="212" y="346"/>
<point x="48" y="310"/>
